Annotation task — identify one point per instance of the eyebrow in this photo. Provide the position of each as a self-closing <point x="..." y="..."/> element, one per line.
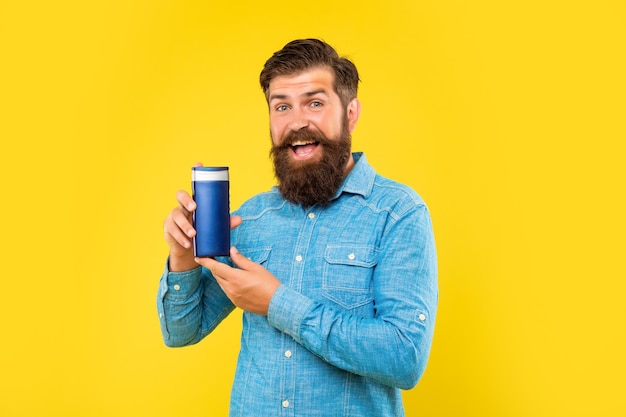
<point x="307" y="94"/>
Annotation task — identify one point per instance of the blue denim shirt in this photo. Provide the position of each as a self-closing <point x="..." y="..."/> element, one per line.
<point x="352" y="322"/>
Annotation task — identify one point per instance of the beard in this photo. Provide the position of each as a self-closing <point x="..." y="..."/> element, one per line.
<point x="308" y="183"/>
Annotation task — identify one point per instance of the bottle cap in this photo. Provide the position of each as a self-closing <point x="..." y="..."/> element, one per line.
<point x="209" y="174"/>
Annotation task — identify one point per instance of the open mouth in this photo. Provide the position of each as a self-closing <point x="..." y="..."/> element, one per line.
<point x="302" y="149"/>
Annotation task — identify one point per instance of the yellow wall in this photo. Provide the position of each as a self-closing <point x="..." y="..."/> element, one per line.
<point x="508" y="118"/>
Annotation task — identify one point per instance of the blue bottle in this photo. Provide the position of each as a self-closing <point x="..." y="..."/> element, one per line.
<point x="211" y="219"/>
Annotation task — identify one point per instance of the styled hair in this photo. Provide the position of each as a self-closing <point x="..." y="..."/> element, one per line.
<point x="304" y="54"/>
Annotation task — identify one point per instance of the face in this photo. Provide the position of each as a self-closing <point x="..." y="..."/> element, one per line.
<point x="310" y="131"/>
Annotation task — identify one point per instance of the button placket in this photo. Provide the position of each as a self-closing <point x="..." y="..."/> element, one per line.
<point x="289" y="347"/>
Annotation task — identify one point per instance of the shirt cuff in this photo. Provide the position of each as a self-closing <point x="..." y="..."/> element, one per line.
<point x="287" y="310"/>
<point x="180" y="285"/>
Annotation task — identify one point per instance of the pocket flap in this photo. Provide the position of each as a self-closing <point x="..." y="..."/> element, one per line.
<point x="256" y="255"/>
<point x="365" y="256"/>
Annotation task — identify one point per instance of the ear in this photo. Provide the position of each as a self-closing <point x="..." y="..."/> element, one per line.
<point x="353" y="112"/>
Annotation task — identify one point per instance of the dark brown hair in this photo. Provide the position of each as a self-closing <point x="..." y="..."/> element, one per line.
<point x="304" y="54"/>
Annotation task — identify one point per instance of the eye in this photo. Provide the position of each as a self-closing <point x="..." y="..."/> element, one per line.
<point x="282" y="107"/>
<point x="316" y="104"/>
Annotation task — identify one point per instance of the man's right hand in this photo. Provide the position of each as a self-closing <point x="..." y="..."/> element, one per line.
<point x="179" y="232"/>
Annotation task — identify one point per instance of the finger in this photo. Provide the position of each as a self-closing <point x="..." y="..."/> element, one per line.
<point x="208" y="263"/>
<point x="173" y="230"/>
<point x="181" y="219"/>
<point x="235" y="221"/>
<point x="241" y="261"/>
<point x="219" y="270"/>
<point x="185" y="200"/>
<point x="197" y="164"/>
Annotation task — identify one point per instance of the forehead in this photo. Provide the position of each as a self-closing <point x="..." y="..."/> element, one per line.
<point x="320" y="78"/>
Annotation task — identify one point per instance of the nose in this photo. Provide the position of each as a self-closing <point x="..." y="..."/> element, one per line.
<point x="298" y="119"/>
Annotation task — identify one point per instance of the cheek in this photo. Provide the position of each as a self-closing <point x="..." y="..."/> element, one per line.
<point x="276" y="134"/>
<point x="330" y="127"/>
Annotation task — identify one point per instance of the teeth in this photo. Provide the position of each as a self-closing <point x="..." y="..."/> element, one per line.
<point x="302" y="142"/>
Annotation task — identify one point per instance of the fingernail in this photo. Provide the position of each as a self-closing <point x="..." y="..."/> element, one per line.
<point x="233" y="250"/>
<point x="197" y="260"/>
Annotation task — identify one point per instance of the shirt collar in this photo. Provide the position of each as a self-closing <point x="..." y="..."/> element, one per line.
<point x="360" y="180"/>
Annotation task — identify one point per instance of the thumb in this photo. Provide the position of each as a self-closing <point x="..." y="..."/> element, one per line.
<point x="241" y="261"/>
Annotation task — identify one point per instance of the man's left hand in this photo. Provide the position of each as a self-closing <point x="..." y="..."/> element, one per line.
<point x="250" y="286"/>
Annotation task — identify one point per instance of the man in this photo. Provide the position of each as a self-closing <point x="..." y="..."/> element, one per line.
<point x="335" y="268"/>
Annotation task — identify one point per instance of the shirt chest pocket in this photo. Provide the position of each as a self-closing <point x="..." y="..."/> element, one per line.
<point x="347" y="274"/>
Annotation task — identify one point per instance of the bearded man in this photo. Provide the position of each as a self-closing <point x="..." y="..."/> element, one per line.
<point x="335" y="268"/>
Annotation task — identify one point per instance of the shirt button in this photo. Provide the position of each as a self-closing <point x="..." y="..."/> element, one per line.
<point x="311" y="215"/>
<point x="177" y="287"/>
<point x="422" y="317"/>
<point x="285" y="404"/>
<point x="160" y="315"/>
<point x="288" y="354"/>
<point x="299" y="258"/>
<point x="351" y="256"/>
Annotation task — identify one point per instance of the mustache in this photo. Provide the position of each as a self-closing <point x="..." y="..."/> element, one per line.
<point x="302" y="135"/>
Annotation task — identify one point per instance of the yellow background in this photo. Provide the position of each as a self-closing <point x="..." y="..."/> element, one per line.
<point x="507" y="117"/>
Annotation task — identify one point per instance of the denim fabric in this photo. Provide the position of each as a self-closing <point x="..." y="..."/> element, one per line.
<point x="352" y="323"/>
